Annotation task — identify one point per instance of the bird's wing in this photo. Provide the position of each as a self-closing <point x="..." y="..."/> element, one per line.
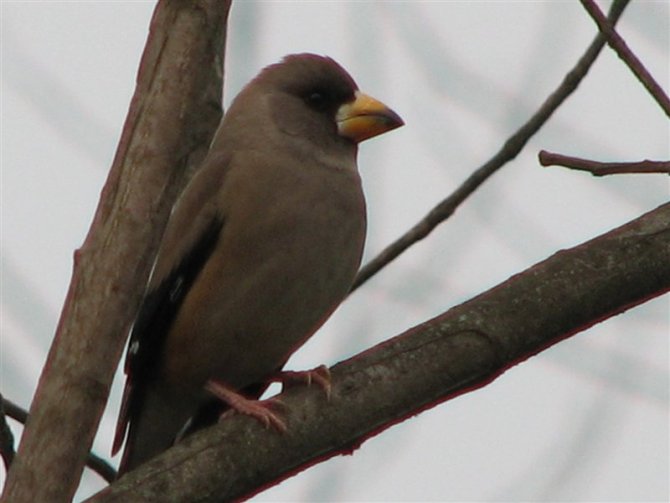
<point x="190" y="237"/>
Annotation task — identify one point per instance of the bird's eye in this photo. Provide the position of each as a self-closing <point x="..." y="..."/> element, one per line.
<point x="316" y="99"/>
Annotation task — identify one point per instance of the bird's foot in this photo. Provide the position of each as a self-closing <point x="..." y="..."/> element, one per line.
<point x="258" y="409"/>
<point x="319" y="375"/>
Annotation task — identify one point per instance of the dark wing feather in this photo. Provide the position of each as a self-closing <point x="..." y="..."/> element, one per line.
<point x="156" y="315"/>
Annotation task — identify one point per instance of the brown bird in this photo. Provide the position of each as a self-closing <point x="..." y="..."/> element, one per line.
<point x="260" y="249"/>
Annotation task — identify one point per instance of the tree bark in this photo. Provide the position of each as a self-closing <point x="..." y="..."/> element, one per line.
<point x="172" y="118"/>
<point x="461" y="350"/>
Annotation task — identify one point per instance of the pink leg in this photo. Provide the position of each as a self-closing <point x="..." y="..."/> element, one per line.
<point x="257" y="409"/>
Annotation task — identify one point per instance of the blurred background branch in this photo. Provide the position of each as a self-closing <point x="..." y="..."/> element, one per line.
<point x="510" y="149"/>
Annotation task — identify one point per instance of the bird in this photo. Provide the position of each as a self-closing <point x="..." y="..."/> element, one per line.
<point x="260" y="248"/>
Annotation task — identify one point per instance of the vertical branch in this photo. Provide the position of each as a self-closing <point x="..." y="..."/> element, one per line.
<point x="172" y="117"/>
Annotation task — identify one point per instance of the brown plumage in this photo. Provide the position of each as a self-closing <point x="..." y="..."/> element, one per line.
<point x="260" y="249"/>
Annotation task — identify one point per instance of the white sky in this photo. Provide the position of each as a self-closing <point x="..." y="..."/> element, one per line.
<point x="584" y="421"/>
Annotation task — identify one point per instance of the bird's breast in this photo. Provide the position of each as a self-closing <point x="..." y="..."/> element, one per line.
<point x="286" y="258"/>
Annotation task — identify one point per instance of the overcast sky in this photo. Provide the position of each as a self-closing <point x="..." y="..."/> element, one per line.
<point x="586" y="420"/>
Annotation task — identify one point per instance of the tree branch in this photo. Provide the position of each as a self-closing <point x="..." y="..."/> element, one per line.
<point x="509" y="151"/>
<point x="6" y="437"/>
<point x="459" y="351"/>
<point x="619" y="45"/>
<point x="172" y="117"/>
<point x="602" y="168"/>
<point x="94" y="462"/>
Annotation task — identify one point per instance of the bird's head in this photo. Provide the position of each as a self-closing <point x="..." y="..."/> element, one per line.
<point x="312" y="97"/>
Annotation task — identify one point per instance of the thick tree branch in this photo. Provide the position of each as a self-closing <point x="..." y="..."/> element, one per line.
<point x="508" y="151"/>
<point x="458" y="351"/>
<point x="172" y="117"/>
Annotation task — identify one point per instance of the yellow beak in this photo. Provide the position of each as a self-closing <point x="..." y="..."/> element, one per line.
<point x="365" y="117"/>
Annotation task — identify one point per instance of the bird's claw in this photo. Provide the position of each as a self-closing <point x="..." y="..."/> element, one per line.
<point x="319" y="375"/>
<point x="258" y="409"/>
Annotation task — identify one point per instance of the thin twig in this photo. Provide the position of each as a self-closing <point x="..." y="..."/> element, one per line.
<point x="597" y="168"/>
<point x="101" y="467"/>
<point x="6" y="438"/>
<point x="632" y="61"/>
<point x="93" y="461"/>
<point x="16" y="412"/>
<point x="509" y="151"/>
